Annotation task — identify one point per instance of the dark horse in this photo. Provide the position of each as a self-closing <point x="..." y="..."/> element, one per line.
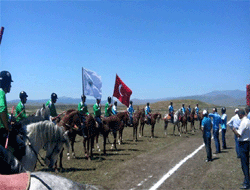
<point x="154" y="117"/>
<point x="142" y="122"/>
<point x="190" y="118"/>
<point x="71" y="121"/>
<point x="183" y="120"/>
<point x="123" y="116"/>
<point x="136" y="120"/>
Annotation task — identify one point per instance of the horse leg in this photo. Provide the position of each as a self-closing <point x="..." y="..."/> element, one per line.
<point x="136" y="133"/>
<point x="152" y="130"/>
<point x="165" y="127"/>
<point x="72" y="146"/>
<point x="178" y="125"/>
<point x="140" y="130"/>
<point x="104" y="143"/>
<point x="97" y="144"/>
<point x="115" y="135"/>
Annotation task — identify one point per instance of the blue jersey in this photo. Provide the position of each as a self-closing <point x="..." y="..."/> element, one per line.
<point x="224" y="121"/>
<point x="147" y="110"/>
<point x="183" y="109"/>
<point x="170" y="109"/>
<point x="197" y="110"/>
<point x="131" y="110"/>
<point x="206" y="124"/>
<point x="216" y="120"/>
<point x="114" y="110"/>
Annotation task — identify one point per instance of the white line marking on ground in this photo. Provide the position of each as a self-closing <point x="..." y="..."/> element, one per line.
<point x="167" y="175"/>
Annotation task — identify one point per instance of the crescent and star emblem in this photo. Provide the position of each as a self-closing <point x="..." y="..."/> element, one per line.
<point x="120" y="86"/>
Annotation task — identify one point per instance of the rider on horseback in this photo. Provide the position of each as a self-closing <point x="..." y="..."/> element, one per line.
<point x="183" y="111"/>
<point x="51" y="105"/>
<point x="83" y="109"/>
<point x="7" y="136"/>
<point x="108" y="108"/>
<point x="97" y="112"/>
<point x="197" y="111"/>
<point x="131" y="112"/>
<point x="148" y="114"/>
<point x="114" y="108"/>
<point x="20" y="109"/>
<point x="171" y="111"/>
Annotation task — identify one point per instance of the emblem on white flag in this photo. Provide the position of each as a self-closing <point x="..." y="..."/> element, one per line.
<point x="92" y="84"/>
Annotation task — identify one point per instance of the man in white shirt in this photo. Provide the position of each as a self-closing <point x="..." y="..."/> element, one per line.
<point x="243" y="134"/>
<point x="235" y="123"/>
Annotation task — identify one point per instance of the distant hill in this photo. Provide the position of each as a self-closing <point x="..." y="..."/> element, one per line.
<point x="221" y="98"/>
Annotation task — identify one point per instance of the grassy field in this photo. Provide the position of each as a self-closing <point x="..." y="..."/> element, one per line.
<point x="102" y="170"/>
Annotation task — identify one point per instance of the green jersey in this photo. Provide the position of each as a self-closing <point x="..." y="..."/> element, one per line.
<point x="3" y="106"/>
<point x="82" y="108"/>
<point x="108" y="111"/>
<point x="52" y="108"/>
<point x="20" y="108"/>
<point x="97" y="109"/>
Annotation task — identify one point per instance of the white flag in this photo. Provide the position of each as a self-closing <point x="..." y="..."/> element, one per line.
<point x="92" y="84"/>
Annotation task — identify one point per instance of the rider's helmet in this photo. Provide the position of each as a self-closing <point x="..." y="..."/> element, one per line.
<point x="223" y="110"/>
<point x="83" y="97"/>
<point x="148" y="104"/>
<point x="54" y="96"/>
<point x="131" y="102"/>
<point x="5" y="79"/>
<point x="23" y="95"/>
<point x="109" y="99"/>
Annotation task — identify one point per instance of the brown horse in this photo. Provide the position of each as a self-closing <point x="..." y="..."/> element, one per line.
<point x="154" y="117"/>
<point x="123" y="116"/>
<point x="183" y="120"/>
<point x="142" y="122"/>
<point x="136" y="120"/>
<point x="72" y="121"/>
<point x="190" y="118"/>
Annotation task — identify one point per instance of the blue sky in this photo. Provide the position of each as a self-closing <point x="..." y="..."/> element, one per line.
<point x="158" y="48"/>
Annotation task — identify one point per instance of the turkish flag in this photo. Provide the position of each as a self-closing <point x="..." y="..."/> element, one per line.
<point x="122" y="91"/>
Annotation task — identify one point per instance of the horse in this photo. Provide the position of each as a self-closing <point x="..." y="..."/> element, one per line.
<point x="183" y="120"/>
<point x="142" y="122"/>
<point x="71" y="121"/>
<point x="42" y="181"/>
<point x="190" y="118"/>
<point x="136" y="120"/>
<point x="43" y="112"/>
<point x="154" y="117"/>
<point x="175" y="122"/>
<point x="123" y="116"/>
<point x="41" y="135"/>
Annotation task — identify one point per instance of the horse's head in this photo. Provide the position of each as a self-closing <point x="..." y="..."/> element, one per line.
<point x="71" y="120"/>
<point x="158" y="117"/>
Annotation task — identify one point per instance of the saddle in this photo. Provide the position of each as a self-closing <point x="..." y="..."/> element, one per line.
<point x="15" y="181"/>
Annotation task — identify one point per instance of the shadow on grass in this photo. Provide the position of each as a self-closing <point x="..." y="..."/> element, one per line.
<point x="66" y="170"/>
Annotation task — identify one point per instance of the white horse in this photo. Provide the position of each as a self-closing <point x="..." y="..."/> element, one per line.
<point x="46" y="135"/>
<point x="175" y="122"/>
<point x="41" y="181"/>
<point x="43" y="112"/>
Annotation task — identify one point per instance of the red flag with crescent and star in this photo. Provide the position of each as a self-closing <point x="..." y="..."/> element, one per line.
<point x="121" y="91"/>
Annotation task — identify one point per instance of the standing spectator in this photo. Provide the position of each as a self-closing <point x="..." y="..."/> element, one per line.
<point x="114" y="108"/>
<point x="243" y="134"/>
<point x="206" y="130"/>
<point x="216" y="121"/>
<point x="235" y="123"/>
<point x="247" y="109"/>
<point x="223" y="127"/>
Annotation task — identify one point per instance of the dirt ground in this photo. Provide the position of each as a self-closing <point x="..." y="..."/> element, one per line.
<point x="139" y="165"/>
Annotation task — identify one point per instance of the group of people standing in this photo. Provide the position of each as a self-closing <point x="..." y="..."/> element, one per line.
<point x="240" y="125"/>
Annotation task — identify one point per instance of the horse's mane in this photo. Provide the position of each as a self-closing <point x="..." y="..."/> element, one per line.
<point x="69" y="114"/>
<point x="46" y="131"/>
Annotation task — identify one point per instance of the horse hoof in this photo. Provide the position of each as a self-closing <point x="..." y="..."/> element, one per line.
<point x="68" y="158"/>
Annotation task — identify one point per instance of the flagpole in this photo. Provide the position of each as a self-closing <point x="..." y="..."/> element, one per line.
<point x="82" y="83"/>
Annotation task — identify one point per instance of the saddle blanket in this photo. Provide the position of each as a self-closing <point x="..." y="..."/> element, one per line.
<point x="15" y="182"/>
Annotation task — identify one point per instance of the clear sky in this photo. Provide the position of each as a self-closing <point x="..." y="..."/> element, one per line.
<point x="158" y="48"/>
